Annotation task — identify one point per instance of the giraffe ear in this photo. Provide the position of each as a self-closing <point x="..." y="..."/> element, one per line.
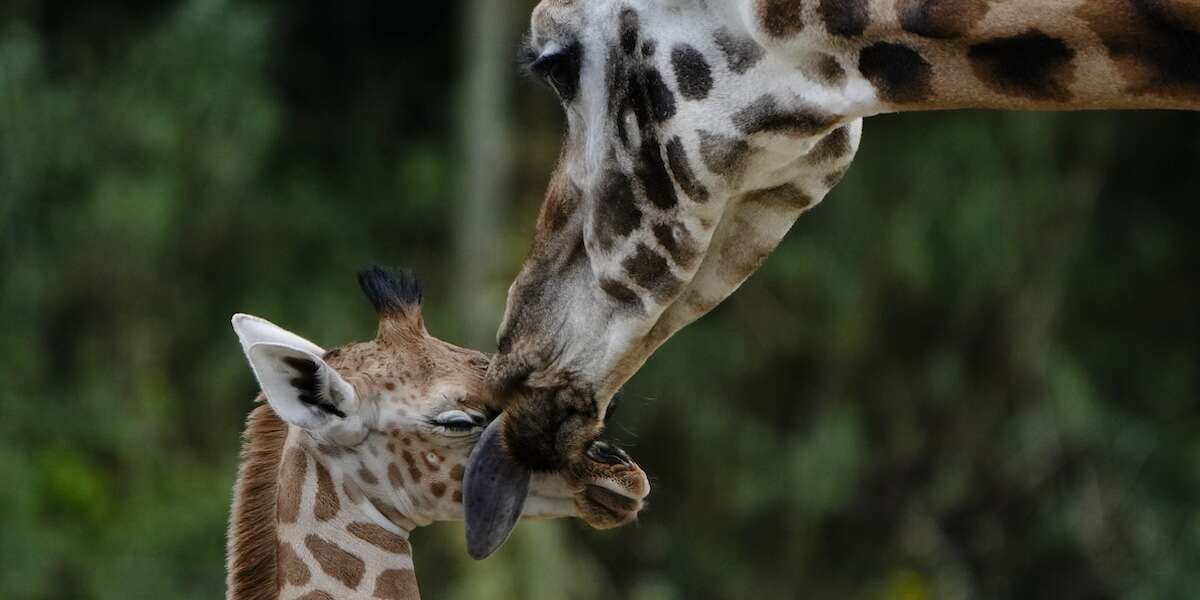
<point x="299" y="385"/>
<point x="253" y="330"/>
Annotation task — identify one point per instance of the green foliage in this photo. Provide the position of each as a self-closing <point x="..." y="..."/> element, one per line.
<point x="971" y="373"/>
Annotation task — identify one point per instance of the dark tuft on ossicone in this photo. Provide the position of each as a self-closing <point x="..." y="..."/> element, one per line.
<point x="390" y="290"/>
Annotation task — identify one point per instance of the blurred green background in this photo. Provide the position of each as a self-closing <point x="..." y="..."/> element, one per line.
<point x="971" y="373"/>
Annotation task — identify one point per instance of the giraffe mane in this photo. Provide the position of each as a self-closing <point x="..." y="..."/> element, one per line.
<point x="251" y="545"/>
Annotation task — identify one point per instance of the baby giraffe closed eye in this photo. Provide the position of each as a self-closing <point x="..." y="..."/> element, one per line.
<point x="357" y="446"/>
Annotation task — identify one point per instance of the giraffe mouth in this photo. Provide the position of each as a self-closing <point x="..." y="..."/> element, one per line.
<point x="614" y="487"/>
<point x="606" y="487"/>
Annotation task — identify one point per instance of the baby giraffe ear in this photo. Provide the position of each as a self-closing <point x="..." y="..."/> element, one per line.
<point x="299" y="385"/>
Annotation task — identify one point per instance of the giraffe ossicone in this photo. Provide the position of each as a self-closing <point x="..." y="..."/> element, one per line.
<point x="700" y="130"/>
<point x="356" y="446"/>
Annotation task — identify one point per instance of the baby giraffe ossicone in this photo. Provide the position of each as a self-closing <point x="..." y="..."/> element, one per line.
<point x="357" y="446"/>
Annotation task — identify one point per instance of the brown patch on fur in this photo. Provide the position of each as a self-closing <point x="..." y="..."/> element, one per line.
<point x="291" y="476"/>
<point x="739" y="256"/>
<point x="899" y="73"/>
<point x="781" y="18"/>
<point x="831" y="147"/>
<point x="292" y="571"/>
<point x="835" y="177"/>
<point x="1032" y="64"/>
<point x="327" y="504"/>
<point x="367" y="476"/>
<point x="678" y="243"/>
<point x="1153" y="42"/>
<point x="394" y="476"/>
<point x="395" y="516"/>
<point x="457" y="496"/>
<point x="786" y="197"/>
<point x="766" y="115"/>
<point x="316" y="595"/>
<point x="250" y="563"/>
<point x="438" y="489"/>
<point x="379" y="537"/>
<point x="457" y="472"/>
<point x="395" y="584"/>
<point x="844" y="18"/>
<point x="336" y="562"/>
<point x="941" y="19"/>
<point x="353" y="494"/>
<point x="831" y="71"/>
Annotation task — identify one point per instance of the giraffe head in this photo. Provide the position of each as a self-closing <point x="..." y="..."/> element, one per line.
<point x="404" y="418"/>
<point x="688" y="144"/>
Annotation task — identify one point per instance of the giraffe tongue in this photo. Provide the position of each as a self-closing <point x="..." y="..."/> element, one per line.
<point x="494" y="490"/>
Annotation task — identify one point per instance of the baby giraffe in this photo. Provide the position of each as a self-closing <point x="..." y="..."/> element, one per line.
<point x="357" y="446"/>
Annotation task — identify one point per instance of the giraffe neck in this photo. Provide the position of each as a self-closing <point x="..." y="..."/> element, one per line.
<point x="1000" y="54"/>
<point x="302" y="529"/>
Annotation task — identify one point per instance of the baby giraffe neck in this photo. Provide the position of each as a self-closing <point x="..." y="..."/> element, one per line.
<point x="302" y="530"/>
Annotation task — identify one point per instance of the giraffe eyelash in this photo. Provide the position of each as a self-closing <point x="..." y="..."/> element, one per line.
<point x="457" y="421"/>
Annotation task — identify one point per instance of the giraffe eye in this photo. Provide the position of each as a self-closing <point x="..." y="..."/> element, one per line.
<point x="457" y="421"/>
<point x="560" y="69"/>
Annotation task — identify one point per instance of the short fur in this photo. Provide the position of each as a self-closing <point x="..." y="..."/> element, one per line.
<point x="251" y="542"/>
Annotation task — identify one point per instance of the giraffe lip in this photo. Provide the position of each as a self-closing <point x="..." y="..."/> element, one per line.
<point x="612" y="501"/>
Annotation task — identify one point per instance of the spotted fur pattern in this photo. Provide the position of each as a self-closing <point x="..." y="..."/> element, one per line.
<point x="700" y="131"/>
<point x="315" y="518"/>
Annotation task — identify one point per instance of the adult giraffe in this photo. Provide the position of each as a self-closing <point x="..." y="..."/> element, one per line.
<point x="700" y="130"/>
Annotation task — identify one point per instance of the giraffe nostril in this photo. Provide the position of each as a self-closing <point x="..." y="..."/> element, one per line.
<point x="605" y="453"/>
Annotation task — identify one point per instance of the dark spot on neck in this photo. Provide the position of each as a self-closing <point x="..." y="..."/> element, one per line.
<point x="692" y="73"/>
<point x="831" y="147"/>
<point x="1156" y="44"/>
<point x="724" y="155"/>
<point x="682" y="169"/>
<point x="898" y="72"/>
<point x="629" y="31"/>
<point x="741" y="53"/>
<point x="835" y="177"/>
<point x="651" y="271"/>
<point x="764" y="115"/>
<point x="781" y="18"/>
<point x="1031" y="65"/>
<point x="941" y="19"/>
<point x="786" y="197"/>
<point x="652" y="172"/>
<point x="617" y="214"/>
<point x="659" y="96"/>
<point x="845" y="18"/>
<point x="620" y="293"/>
<point x="677" y="243"/>
<point x="829" y="71"/>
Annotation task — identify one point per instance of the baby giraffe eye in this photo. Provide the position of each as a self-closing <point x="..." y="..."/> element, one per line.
<point x="457" y="421"/>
